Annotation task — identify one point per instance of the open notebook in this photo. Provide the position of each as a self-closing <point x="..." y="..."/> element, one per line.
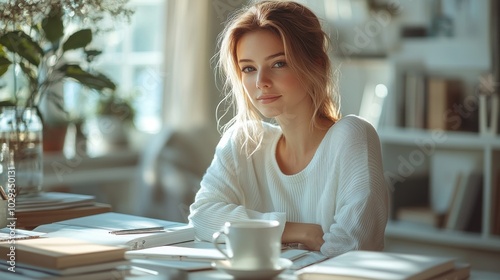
<point x="97" y="228"/>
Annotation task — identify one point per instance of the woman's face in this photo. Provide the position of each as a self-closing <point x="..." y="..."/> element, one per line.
<point x="270" y="84"/>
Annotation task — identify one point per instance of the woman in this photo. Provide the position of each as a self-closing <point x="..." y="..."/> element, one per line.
<point x="318" y="174"/>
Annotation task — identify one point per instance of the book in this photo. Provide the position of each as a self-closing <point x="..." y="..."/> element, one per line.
<point x="59" y="252"/>
<point x="449" y="168"/>
<point x="415" y="99"/>
<point x="98" y="229"/>
<point x="194" y="253"/>
<point x="52" y="201"/>
<point x="414" y="191"/>
<point x="33" y="218"/>
<point x="117" y="273"/>
<point x="370" y="265"/>
<point x="442" y="94"/>
<point x="496" y="213"/>
<point x="465" y="198"/>
<point x="420" y="215"/>
<point x="177" y="253"/>
<point x="459" y="272"/>
<point x="83" y="269"/>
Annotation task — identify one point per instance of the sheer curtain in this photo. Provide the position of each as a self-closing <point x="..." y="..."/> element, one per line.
<point x="174" y="161"/>
<point x="189" y="80"/>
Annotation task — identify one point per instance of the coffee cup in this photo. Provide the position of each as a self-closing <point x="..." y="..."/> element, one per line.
<point x="250" y="244"/>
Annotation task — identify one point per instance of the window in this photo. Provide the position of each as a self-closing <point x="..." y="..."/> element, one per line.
<point x="133" y="57"/>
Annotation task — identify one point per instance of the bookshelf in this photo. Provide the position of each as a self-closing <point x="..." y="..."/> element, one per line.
<point x="400" y="142"/>
<point x="441" y="154"/>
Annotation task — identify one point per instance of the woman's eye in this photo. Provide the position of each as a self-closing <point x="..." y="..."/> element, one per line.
<point x="280" y="64"/>
<point x="247" y="69"/>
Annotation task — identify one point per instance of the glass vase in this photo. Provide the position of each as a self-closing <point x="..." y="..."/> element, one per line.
<point x="21" y="154"/>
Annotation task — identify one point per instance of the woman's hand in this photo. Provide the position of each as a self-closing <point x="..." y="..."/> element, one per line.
<point x="310" y="235"/>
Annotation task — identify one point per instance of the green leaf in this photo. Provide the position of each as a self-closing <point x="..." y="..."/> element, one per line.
<point x="21" y="43"/>
<point x="94" y="81"/>
<point x="79" y="39"/>
<point x="4" y="65"/>
<point x="53" y="26"/>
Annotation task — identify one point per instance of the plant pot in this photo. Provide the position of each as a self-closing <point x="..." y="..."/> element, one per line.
<point x="54" y="138"/>
<point x="21" y="155"/>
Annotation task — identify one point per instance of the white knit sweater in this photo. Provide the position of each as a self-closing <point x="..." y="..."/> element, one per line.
<point x="342" y="188"/>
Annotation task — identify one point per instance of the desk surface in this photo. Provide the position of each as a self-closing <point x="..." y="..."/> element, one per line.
<point x="172" y="273"/>
<point x="169" y="273"/>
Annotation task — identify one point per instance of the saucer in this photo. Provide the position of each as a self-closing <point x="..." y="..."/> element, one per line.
<point x="240" y="273"/>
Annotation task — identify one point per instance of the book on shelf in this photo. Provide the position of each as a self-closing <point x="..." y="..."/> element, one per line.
<point x="371" y="265"/>
<point x="449" y="169"/>
<point x="99" y="229"/>
<point x="442" y="94"/>
<point x="60" y="252"/>
<point x="415" y="96"/>
<point x="496" y="201"/>
<point x="465" y="199"/>
<point x="423" y="215"/>
<point x="414" y="191"/>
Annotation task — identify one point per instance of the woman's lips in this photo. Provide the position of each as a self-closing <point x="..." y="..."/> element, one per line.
<point x="265" y="99"/>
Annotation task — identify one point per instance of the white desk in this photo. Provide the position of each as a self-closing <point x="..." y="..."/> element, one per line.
<point x="169" y="273"/>
<point x="172" y="273"/>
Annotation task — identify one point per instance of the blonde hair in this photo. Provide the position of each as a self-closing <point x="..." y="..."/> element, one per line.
<point x="306" y="52"/>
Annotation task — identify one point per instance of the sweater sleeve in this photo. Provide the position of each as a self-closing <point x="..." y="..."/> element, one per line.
<point x="221" y="197"/>
<point x="361" y="210"/>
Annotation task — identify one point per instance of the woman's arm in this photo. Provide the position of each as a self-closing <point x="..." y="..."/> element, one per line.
<point x="309" y="235"/>
<point x="361" y="210"/>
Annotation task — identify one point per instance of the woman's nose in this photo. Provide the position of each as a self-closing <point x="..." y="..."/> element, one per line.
<point x="263" y="80"/>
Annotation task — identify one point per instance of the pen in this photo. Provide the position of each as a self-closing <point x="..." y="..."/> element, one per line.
<point x="137" y="230"/>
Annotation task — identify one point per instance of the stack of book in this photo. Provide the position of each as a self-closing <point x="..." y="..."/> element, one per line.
<point x="52" y="201"/>
<point x="368" y="265"/>
<point x="61" y="258"/>
<point x="46" y="207"/>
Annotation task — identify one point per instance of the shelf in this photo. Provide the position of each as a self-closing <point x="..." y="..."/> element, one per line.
<point x="415" y="232"/>
<point x="447" y="53"/>
<point x="443" y="139"/>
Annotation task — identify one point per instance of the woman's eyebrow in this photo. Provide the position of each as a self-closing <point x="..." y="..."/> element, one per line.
<point x="267" y="58"/>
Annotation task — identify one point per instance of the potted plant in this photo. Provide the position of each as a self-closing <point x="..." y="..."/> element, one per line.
<point x="112" y="122"/>
<point x="37" y="53"/>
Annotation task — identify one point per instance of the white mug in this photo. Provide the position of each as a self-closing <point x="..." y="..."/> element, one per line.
<point x="250" y="244"/>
